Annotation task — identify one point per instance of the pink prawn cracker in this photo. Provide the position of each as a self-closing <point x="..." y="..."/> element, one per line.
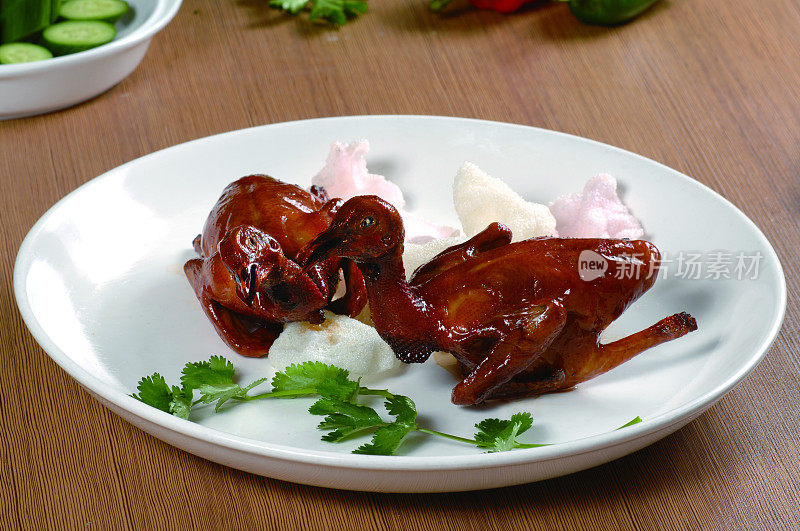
<point x="345" y="175"/>
<point x="597" y="212"/>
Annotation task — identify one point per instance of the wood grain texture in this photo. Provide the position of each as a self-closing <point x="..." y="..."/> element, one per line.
<point x="710" y="88"/>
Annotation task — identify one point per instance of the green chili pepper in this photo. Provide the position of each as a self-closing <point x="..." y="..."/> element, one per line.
<point x="608" y="12"/>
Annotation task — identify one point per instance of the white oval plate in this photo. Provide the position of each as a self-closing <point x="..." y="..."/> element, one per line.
<point x="99" y="283"/>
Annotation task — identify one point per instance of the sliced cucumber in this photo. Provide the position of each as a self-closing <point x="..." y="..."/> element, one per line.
<point x="106" y="10"/>
<point x="22" y="52"/>
<point x="75" y="36"/>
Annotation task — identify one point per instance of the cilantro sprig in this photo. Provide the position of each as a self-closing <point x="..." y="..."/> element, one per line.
<point x="344" y="417"/>
<point x="334" y="12"/>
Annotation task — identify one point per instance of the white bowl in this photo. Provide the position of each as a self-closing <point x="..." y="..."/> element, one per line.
<point x="27" y="89"/>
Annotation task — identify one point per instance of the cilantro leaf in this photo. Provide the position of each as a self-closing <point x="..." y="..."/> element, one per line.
<point x="216" y="372"/>
<point x="403" y="408"/>
<point x="154" y="391"/>
<point x="318" y="378"/>
<point x="386" y="440"/>
<point x="637" y="420"/>
<point x="214" y="380"/>
<point x="308" y="375"/>
<point x="335" y="12"/>
<point x="347" y="418"/>
<point x="498" y="435"/>
<point x="344" y="418"/>
<point x="346" y="391"/>
<point x="181" y="403"/>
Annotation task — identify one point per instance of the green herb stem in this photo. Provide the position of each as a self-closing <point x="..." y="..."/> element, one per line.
<point x="289" y="393"/>
<point x="447" y="435"/>
<point x="365" y="391"/>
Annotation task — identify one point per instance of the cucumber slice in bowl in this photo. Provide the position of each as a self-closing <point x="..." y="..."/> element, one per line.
<point x="75" y="36"/>
<point x="104" y="10"/>
<point x="22" y="52"/>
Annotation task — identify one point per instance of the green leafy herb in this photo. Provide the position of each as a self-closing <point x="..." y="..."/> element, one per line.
<point x="290" y="6"/>
<point x="334" y="12"/>
<point x="214" y="380"/>
<point x="344" y="416"/>
<point x="385" y="441"/>
<point x="181" y="403"/>
<point x="388" y="438"/>
<point x="501" y="435"/>
<point x="637" y="420"/>
<point x="154" y="391"/>
<point x="316" y="378"/>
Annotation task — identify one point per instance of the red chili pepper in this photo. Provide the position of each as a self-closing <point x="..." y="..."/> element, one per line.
<point x="501" y="6"/>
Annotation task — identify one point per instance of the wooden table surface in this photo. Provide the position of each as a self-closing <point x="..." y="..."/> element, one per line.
<point x="710" y="88"/>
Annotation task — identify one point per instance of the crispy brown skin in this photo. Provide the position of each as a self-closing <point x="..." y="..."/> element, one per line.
<point x="247" y="277"/>
<point x="518" y="316"/>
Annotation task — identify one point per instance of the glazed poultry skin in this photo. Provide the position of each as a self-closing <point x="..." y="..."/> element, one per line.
<point x="517" y="316"/>
<point x="247" y="277"/>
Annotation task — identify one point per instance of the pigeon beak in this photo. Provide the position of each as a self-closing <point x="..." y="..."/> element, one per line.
<point x="325" y="245"/>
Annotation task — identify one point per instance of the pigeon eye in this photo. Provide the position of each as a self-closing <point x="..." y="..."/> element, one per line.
<point x="367" y="222"/>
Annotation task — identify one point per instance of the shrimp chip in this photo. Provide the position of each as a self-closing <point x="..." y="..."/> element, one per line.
<point x="481" y="199"/>
<point x="339" y="340"/>
<point x="416" y="254"/>
<point x="597" y="212"/>
<point x="345" y="175"/>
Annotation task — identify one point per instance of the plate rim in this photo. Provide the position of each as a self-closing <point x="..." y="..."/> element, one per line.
<point x="334" y="459"/>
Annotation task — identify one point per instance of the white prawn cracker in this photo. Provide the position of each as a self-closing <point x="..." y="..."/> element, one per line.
<point x="597" y="212"/>
<point x="481" y="199"/>
<point x="416" y="254"/>
<point x="339" y="340"/>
